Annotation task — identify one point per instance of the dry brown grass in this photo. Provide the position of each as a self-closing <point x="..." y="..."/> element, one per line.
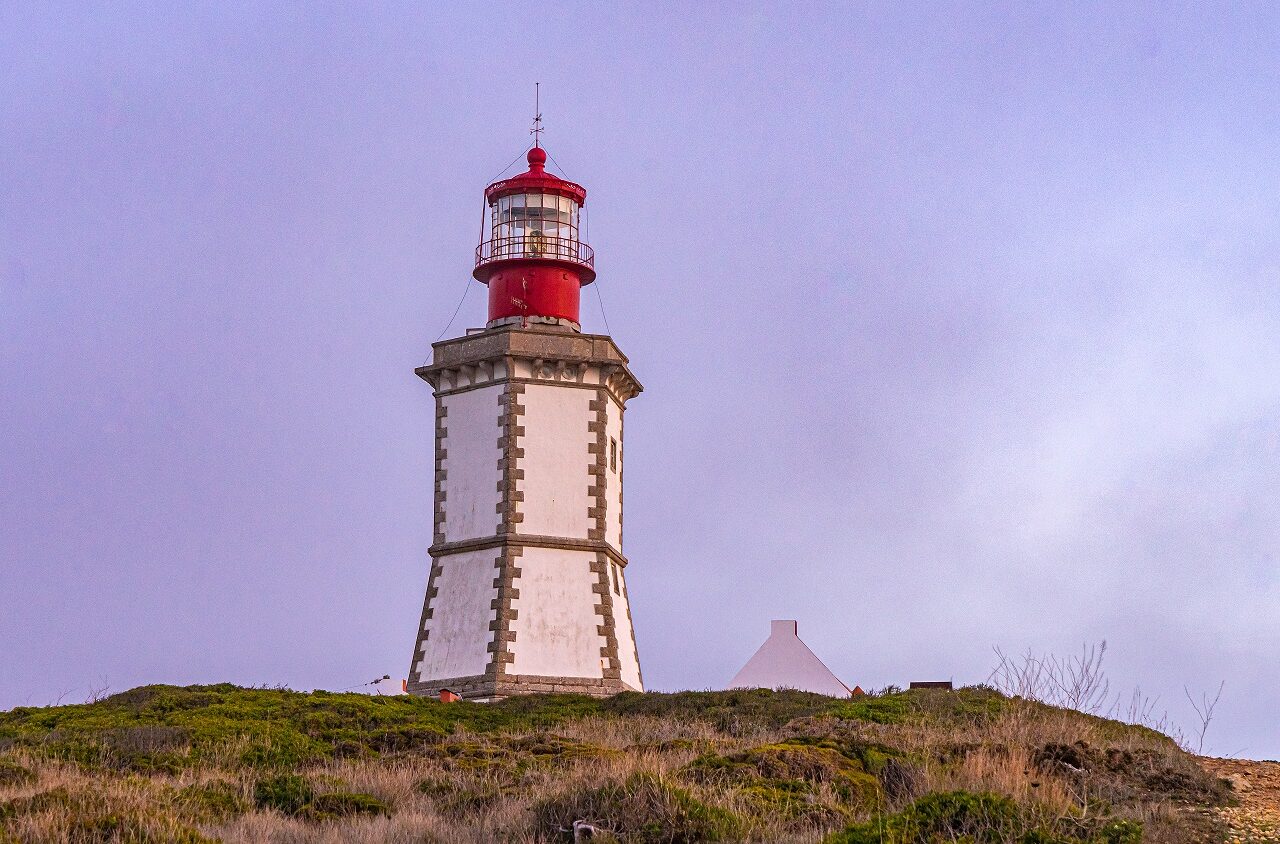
<point x="482" y="786"/>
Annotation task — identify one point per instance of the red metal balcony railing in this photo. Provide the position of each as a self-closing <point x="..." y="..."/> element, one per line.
<point x="535" y="246"/>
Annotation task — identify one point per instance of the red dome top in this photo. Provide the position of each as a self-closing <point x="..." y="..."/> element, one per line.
<point x="537" y="180"/>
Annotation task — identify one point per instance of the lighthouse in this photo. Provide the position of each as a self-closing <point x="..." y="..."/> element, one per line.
<point x="528" y="584"/>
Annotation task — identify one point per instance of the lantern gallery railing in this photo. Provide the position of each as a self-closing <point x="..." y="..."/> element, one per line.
<point x="535" y="245"/>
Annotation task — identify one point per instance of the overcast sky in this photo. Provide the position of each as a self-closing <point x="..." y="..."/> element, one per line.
<point x="958" y="326"/>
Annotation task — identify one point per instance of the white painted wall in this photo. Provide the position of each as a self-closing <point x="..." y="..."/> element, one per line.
<point x="785" y="662"/>
<point x="613" y="477"/>
<point x="622" y="627"/>
<point x="555" y="461"/>
<point x="461" y="612"/>
<point x="471" y="464"/>
<point x="556" y="626"/>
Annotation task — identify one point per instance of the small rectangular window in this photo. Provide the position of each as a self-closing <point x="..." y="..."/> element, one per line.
<point x="613" y="568"/>
<point x="613" y="455"/>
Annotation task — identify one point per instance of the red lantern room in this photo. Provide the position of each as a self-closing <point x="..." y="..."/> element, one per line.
<point x="531" y="256"/>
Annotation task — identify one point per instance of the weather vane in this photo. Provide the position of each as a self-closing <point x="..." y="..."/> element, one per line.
<point x="536" y="131"/>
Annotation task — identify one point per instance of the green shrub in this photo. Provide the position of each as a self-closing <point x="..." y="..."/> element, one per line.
<point x="286" y="793"/>
<point x="57" y="799"/>
<point x="86" y="816"/>
<point x="341" y="805"/>
<point x="461" y="797"/>
<point x="941" y="816"/>
<point x="973" y="704"/>
<point x="538" y="711"/>
<point x="1127" y="774"/>
<point x="474" y="756"/>
<point x="132" y="828"/>
<point x="11" y="774"/>
<point x="545" y="748"/>
<point x="892" y="709"/>
<point x="901" y="781"/>
<point x="794" y="766"/>
<point x="794" y="804"/>
<point x="80" y="749"/>
<point x="400" y="738"/>
<point x="837" y="762"/>
<point x="293" y="795"/>
<point x="980" y="819"/>
<point x="214" y="801"/>
<point x="643" y="808"/>
<point x="166" y="728"/>
<point x="1121" y="832"/>
<point x="701" y="745"/>
<point x="730" y="711"/>
<point x="958" y="813"/>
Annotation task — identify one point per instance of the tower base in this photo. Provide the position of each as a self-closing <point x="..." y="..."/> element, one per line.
<point x="484" y="687"/>
<point x="527" y="591"/>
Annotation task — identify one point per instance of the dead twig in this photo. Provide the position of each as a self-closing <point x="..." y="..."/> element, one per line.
<point x="1204" y="711"/>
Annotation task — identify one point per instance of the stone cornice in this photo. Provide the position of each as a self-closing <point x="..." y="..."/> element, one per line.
<point x="440" y="549"/>
<point x="549" y="354"/>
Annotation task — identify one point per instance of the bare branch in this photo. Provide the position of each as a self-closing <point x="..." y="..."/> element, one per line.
<point x="98" y="692"/>
<point x="1076" y="682"/>
<point x="1204" y="712"/>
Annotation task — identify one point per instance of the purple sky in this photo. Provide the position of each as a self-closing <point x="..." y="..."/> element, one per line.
<point x="959" y="328"/>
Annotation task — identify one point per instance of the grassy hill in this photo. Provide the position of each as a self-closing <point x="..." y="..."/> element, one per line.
<point x="208" y="763"/>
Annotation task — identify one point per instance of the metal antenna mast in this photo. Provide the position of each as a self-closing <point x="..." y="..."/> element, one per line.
<point x="536" y="131"/>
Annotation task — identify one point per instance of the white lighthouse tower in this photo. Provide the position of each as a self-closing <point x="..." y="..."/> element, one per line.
<point x="528" y="588"/>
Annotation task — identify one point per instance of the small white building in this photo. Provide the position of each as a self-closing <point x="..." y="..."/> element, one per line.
<point x="387" y="687"/>
<point x="785" y="662"/>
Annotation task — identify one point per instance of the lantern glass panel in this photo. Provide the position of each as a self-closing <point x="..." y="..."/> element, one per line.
<point x="535" y="224"/>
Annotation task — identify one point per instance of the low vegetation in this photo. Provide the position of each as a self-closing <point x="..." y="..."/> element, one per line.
<point x="221" y="763"/>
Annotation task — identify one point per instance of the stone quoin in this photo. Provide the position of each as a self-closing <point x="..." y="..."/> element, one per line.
<point x="527" y="590"/>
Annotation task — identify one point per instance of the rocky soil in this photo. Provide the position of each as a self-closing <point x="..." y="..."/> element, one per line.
<point x="1257" y="785"/>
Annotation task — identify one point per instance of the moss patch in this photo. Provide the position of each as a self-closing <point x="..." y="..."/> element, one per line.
<point x="792" y="761"/>
<point x="807" y="782"/>
<point x="891" y="709"/>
